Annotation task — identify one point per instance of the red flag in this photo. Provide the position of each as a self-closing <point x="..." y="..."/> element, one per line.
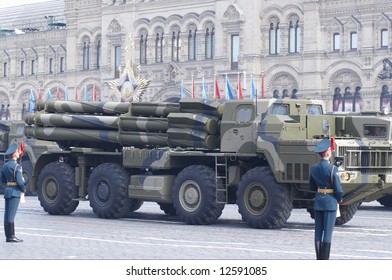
<point x="21" y="148"/>
<point x="332" y="143"/>
<point x="94" y="93"/>
<point x="239" y="87"/>
<point x="217" y="91"/>
<point x="39" y="94"/>
<point x="58" y="93"/>
<point x="193" y="88"/>
<point x="76" y="93"/>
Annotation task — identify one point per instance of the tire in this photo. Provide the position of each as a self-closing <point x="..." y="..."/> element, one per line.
<point x="108" y="191"/>
<point x="386" y="200"/>
<point x="194" y="195"/>
<point x="57" y="190"/>
<point x="134" y="204"/>
<point x="346" y="213"/>
<point x="27" y="174"/>
<point x="262" y="202"/>
<point x="168" y="208"/>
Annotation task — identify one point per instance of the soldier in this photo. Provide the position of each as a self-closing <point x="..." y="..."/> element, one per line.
<point x="324" y="180"/>
<point x="12" y="176"/>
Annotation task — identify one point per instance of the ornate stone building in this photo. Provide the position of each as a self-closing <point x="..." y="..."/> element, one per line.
<point x="333" y="50"/>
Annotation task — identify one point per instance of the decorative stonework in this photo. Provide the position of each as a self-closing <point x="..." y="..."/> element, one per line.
<point x="233" y="13"/>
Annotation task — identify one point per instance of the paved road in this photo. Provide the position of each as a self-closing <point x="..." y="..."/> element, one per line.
<point x="150" y="234"/>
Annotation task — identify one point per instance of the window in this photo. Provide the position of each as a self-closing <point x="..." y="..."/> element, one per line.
<point x="5" y="69"/>
<point x="244" y="114"/>
<point x="175" y="46"/>
<point x="294" y="37"/>
<point x="33" y="67"/>
<point x="375" y="131"/>
<point x="22" y="68"/>
<point x="62" y="64"/>
<point x="279" y="109"/>
<point x="210" y="42"/>
<point x="235" y="51"/>
<point x="336" y="41"/>
<point x="159" y="47"/>
<point x="50" y="65"/>
<point x="314" y="109"/>
<point x="86" y="56"/>
<point x="353" y="40"/>
<point x="117" y="61"/>
<point x="192" y="40"/>
<point x="143" y="49"/>
<point x="274" y="39"/>
<point x="384" y="38"/>
<point x="99" y="54"/>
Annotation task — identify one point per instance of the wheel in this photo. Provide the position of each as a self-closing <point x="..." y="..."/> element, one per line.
<point x="27" y="173"/>
<point x="168" y="208"/>
<point x="108" y="191"/>
<point x="386" y="200"/>
<point x="194" y="195"/>
<point x="56" y="189"/>
<point x="134" y="204"/>
<point x="262" y="202"/>
<point x="346" y="213"/>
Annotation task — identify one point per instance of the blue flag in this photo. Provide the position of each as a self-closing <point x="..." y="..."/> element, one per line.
<point x="182" y="89"/>
<point x="85" y="93"/>
<point x="48" y="94"/>
<point x="66" y="95"/>
<point x="252" y="88"/>
<point x="229" y="91"/>
<point x="31" y="101"/>
<point x="204" y="92"/>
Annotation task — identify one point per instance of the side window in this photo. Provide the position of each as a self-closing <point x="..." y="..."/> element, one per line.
<point x="279" y="109"/>
<point x="244" y="114"/>
<point x="314" y="110"/>
<point x="375" y="131"/>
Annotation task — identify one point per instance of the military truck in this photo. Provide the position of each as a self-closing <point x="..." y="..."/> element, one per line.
<point x="195" y="156"/>
<point x="13" y="131"/>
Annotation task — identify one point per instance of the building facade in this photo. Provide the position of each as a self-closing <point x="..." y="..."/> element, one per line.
<point x="337" y="51"/>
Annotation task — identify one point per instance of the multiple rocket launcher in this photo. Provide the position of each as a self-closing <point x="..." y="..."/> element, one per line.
<point x="192" y="123"/>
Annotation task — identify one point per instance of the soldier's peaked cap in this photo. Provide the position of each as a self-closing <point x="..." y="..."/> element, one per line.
<point x="11" y="149"/>
<point x="322" y="146"/>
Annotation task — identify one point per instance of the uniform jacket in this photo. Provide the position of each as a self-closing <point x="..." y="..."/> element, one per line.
<point x="320" y="177"/>
<point x="7" y="175"/>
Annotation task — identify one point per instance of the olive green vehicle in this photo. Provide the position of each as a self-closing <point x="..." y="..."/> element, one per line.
<point x="195" y="156"/>
<point x="12" y="131"/>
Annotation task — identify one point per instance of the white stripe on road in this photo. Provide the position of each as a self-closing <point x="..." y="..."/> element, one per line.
<point x="189" y="241"/>
<point x="222" y="247"/>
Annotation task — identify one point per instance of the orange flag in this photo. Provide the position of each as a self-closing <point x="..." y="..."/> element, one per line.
<point x="239" y="87"/>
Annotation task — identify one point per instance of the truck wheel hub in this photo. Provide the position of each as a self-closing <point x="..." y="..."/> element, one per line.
<point x="103" y="191"/>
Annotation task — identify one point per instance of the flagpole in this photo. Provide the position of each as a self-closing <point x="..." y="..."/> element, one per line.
<point x="262" y="84"/>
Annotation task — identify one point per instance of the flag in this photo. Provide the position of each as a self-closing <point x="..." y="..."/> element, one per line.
<point x="239" y="87"/>
<point x="193" y="87"/>
<point x="182" y="89"/>
<point x="21" y="148"/>
<point x="76" y="93"/>
<point x="94" y="93"/>
<point x="252" y="87"/>
<point x="216" y="89"/>
<point x="48" y="94"/>
<point x="58" y="95"/>
<point x="204" y="92"/>
<point x="66" y="95"/>
<point x="85" y="93"/>
<point x="31" y="101"/>
<point x="39" y="94"/>
<point x="229" y="91"/>
<point x="262" y="84"/>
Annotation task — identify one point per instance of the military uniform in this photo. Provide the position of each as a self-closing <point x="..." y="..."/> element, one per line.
<point x="11" y="175"/>
<point x="324" y="180"/>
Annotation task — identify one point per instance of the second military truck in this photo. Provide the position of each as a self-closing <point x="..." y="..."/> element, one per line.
<point x="195" y="156"/>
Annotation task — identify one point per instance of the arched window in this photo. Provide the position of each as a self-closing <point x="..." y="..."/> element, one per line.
<point x="385" y="98"/>
<point x="192" y="43"/>
<point x="143" y="49"/>
<point x="175" y="46"/>
<point x="210" y="42"/>
<point x="294" y="37"/>
<point x="86" y="55"/>
<point x="159" y="46"/>
<point x="99" y="54"/>
<point x="337" y="100"/>
<point x="274" y="38"/>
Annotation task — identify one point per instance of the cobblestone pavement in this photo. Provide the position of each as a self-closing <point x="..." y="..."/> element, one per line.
<point x="152" y="235"/>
